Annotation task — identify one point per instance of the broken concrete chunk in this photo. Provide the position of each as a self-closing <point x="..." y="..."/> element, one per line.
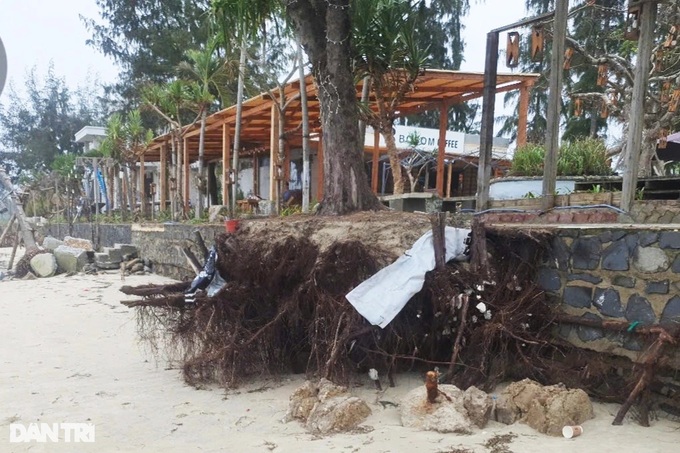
<point x="444" y="416"/>
<point x="127" y="251"/>
<point x="104" y="261"/>
<point x="43" y="265"/>
<point x="79" y="243"/>
<point x="478" y="405"/>
<point x="50" y="243"/>
<point x="70" y="259"/>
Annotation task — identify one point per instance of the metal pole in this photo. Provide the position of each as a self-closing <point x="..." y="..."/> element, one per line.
<point x="637" y="106"/>
<point x="486" y="132"/>
<point x="554" y="103"/>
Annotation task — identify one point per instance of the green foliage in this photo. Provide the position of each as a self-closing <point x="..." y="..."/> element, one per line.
<point x="528" y="160"/>
<point x="64" y="165"/>
<point x="37" y="127"/>
<point x="583" y="157"/>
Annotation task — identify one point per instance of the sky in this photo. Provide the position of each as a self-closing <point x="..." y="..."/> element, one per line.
<point x="37" y="31"/>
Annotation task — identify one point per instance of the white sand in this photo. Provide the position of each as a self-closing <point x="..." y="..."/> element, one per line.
<point x="70" y="354"/>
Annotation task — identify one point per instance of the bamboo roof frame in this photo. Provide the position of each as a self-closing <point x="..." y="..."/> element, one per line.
<point x="433" y="90"/>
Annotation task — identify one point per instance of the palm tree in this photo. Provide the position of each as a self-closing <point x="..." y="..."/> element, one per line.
<point x="212" y="75"/>
<point x="386" y="51"/>
<point x="170" y="102"/>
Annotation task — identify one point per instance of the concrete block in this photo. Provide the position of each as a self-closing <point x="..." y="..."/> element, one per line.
<point x="126" y="250"/>
<point x="50" y="243"/>
<point x="44" y="265"/>
<point x="103" y="261"/>
<point x="70" y="259"/>
<point x="79" y="243"/>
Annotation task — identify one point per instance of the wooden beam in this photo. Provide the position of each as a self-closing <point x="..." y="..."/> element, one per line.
<point x="443" y="126"/>
<point x="163" y="183"/>
<point x="185" y="178"/>
<point x="226" y="163"/>
<point x="376" y="161"/>
<point x="449" y="179"/>
<point x="523" y="114"/>
<point x="637" y="107"/>
<point x="486" y="132"/>
<point x="554" y="103"/>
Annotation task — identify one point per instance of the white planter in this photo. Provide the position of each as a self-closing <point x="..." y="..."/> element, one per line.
<point x="520" y="187"/>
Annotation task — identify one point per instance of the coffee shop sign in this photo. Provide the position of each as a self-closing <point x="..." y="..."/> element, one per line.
<point x="428" y="139"/>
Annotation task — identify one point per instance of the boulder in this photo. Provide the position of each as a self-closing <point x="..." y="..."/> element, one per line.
<point x="547" y="409"/>
<point x="443" y="416"/>
<point x="44" y="265"/>
<point x="50" y="243"/>
<point x="79" y="243"/>
<point x="479" y="406"/>
<point x="507" y="411"/>
<point x="325" y="408"/>
<point x="70" y="259"/>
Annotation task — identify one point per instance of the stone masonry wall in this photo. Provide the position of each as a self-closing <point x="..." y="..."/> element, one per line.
<point x="623" y="273"/>
<point x="102" y="235"/>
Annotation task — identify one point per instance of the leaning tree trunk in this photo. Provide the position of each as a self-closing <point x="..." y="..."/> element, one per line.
<point x="201" y="172"/>
<point x="15" y="203"/>
<point x="395" y="161"/>
<point x="324" y="33"/>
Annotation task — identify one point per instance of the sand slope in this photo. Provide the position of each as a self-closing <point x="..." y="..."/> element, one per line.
<point x="70" y="354"/>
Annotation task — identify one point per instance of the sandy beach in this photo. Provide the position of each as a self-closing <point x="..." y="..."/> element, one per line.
<point x="70" y="353"/>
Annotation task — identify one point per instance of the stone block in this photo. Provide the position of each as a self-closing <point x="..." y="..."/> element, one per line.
<point x="578" y="296"/>
<point x="608" y="302"/>
<point x="639" y="309"/>
<point x="115" y="254"/>
<point x="647" y="239"/>
<point x="669" y="240"/>
<point x="633" y="343"/>
<point x="549" y="279"/>
<point x="650" y="260"/>
<point x="586" y="333"/>
<point x="103" y="261"/>
<point x="676" y="265"/>
<point x="624" y="281"/>
<point x="126" y="250"/>
<point x="616" y="235"/>
<point x="43" y="265"/>
<point x="70" y="259"/>
<point x="615" y="257"/>
<point x="660" y="287"/>
<point x="79" y="243"/>
<point x="585" y="253"/>
<point x="478" y="405"/>
<point x="605" y="237"/>
<point x="51" y="244"/>
<point x="670" y="318"/>
<point x="559" y="254"/>
<point x="585" y="278"/>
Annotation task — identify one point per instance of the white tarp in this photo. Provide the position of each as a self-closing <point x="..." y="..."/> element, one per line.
<point x="380" y="298"/>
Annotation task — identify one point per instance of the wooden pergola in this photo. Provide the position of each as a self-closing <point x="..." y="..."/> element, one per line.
<point x="433" y="90"/>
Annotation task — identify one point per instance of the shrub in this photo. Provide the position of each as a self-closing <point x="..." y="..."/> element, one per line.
<point x="583" y="157"/>
<point x="528" y="160"/>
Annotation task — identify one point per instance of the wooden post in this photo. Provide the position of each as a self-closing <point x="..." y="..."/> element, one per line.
<point x="375" y="162"/>
<point x="142" y="189"/>
<point x="486" y="132"/>
<point x="186" y="177"/>
<point x="163" y="183"/>
<point x="226" y="164"/>
<point x="552" y="133"/>
<point x="523" y="114"/>
<point x="637" y="107"/>
<point x="438" y="221"/>
<point x="15" y="246"/>
<point x="319" y="156"/>
<point x="443" y="125"/>
<point x="449" y="180"/>
<point x="273" y="154"/>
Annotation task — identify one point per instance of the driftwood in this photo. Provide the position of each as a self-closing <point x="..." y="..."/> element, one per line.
<point x="192" y="260"/>
<point x="649" y="362"/>
<point x="8" y="228"/>
<point x="154" y="290"/>
<point x="17" y="239"/>
<point x="200" y="243"/>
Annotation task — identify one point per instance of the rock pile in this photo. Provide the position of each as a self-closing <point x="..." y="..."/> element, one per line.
<point x="324" y="408"/>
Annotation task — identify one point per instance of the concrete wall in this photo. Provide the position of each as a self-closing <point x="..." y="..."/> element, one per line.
<point x="162" y="244"/>
<point x="102" y="235"/>
<point x="625" y="273"/>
